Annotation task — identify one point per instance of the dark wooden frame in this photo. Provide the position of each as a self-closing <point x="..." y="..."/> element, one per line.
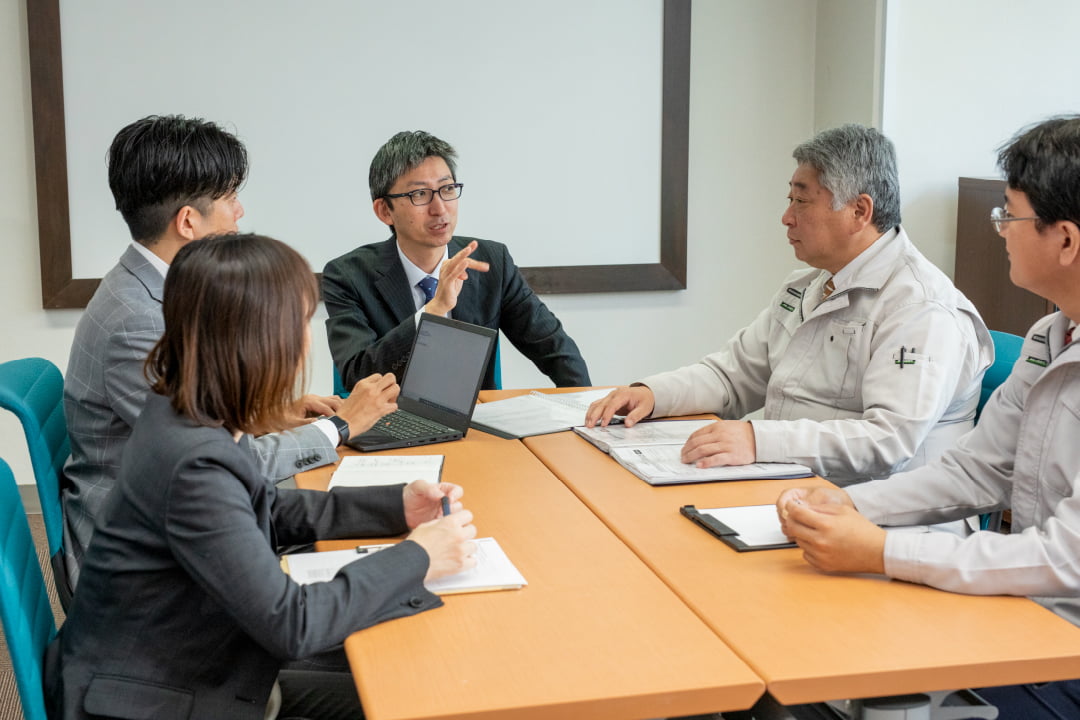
<point x="60" y="290"/>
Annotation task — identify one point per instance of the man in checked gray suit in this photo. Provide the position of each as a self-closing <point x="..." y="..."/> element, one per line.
<point x="175" y="180"/>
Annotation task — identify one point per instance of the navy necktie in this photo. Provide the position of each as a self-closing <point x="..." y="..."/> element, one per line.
<point x="428" y="285"/>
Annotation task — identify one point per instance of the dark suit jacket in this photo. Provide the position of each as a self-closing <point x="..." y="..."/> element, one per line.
<point x="370" y="307"/>
<point x="183" y="610"/>
<point x="104" y="391"/>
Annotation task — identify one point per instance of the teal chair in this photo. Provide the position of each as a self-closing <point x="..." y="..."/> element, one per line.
<point x="33" y="389"/>
<point x="339" y="387"/>
<point x="1006" y="352"/>
<point x="24" y="604"/>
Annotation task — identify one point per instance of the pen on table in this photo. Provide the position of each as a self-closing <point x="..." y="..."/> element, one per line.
<point x="445" y="505"/>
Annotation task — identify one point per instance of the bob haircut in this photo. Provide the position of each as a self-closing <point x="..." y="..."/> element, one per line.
<point x="236" y="311"/>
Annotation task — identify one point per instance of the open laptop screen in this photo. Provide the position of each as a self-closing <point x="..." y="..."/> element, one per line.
<point x="445" y="361"/>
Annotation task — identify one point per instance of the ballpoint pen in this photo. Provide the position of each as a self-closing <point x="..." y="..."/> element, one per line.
<point x="445" y="505"/>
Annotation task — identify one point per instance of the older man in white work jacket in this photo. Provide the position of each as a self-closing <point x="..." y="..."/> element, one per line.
<point x="867" y="363"/>
<point x="1023" y="455"/>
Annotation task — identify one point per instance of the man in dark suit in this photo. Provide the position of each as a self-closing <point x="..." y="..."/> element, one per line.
<point x="375" y="293"/>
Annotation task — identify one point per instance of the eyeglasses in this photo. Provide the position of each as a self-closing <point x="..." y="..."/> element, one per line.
<point x="424" y="196"/>
<point x="1000" y="216"/>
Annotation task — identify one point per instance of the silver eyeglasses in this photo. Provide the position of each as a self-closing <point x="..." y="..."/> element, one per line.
<point x="424" y="196"/>
<point x="1000" y="216"/>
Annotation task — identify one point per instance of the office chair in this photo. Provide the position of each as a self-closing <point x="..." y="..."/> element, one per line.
<point x="1006" y="352"/>
<point x="33" y="389"/>
<point x="24" y="604"/>
<point x="339" y="387"/>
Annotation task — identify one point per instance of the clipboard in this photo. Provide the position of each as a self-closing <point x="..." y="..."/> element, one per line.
<point x="739" y="538"/>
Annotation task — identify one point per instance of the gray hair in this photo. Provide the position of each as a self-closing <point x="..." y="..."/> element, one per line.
<point x="852" y="160"/>
<point x="402" y="153"/>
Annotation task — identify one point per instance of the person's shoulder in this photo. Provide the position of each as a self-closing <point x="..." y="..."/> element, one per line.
<point x="362" y="255"/>
<point x="121" y="300"/>
<point x="171" y="437"/>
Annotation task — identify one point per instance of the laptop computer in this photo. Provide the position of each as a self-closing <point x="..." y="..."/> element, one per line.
<point x="438" y="389"/>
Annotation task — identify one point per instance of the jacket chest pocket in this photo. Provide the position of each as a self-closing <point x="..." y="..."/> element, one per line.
<point x="841" y="349"/>
<point x="1058" y="468"/>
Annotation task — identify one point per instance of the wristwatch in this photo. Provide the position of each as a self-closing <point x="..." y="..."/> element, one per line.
<point x="342" y="427"/>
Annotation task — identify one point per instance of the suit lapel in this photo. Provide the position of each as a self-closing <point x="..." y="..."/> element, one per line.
<point x="392" y="284"/>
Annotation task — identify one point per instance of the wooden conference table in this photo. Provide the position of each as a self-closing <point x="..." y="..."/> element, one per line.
<point x="594" y="634"/>
<point x="811" y="636"/>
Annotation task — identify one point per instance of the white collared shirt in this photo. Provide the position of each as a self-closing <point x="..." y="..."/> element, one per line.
<point x="414" y="275"/>
<point x="157" y="263"/>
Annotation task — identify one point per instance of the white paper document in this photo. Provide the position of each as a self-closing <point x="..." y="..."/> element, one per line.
<point x="663" y="432"/>
<point x="755" y="525"/>
<point x="493" y="570"/>
<point x="371" y="470"/>
<point x="662" y="465"/>
<point x="536" y="413"/>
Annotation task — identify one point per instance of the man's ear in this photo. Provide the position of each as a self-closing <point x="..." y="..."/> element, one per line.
<point x="863" y="212"/>
<point x="186" y="222"/>
<point x="1070" y="243"/>
<point x="382" y="211"/>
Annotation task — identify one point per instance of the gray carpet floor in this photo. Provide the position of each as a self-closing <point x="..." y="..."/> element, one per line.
<point x="10" y="708"/>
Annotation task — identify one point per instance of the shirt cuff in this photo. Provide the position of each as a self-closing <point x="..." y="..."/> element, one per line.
<point x="769" y="441"/>
<point x="330" y="430"/>
<point x="902" y="550"/>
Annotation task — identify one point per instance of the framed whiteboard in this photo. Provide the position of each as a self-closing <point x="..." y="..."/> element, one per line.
<point x="570" y="119"/>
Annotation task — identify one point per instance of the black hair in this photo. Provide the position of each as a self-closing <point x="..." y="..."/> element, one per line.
<point x="1043" y="162"/>
<point x="161" y="163"/>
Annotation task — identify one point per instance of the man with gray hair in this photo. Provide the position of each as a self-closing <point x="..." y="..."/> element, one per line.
<point x="865" y="364"/>
<point x="374" y="294"/>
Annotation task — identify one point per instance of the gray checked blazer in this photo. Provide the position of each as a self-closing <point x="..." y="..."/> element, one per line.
<point x="104" y="392"/>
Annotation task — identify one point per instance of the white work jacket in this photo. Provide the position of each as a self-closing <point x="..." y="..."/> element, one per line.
<point x="1024" y="454"/>
<point x="885" y="374"/>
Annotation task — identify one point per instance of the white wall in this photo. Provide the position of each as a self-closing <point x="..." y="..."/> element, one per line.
<point x="961" y="77"/>
<point x="752" y="90"/>
<point x="847" y="63"/>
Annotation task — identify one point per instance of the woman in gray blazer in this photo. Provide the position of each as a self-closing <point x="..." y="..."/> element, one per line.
<point x="182" y="609"/>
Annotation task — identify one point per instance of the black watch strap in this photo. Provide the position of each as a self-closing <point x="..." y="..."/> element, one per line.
<point x="342" y="427"/>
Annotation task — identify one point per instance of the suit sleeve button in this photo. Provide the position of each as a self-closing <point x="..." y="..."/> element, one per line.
<point x="415" y="602"/>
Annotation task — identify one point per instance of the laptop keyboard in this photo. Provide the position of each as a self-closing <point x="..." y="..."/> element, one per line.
<point x="405" y="425"/>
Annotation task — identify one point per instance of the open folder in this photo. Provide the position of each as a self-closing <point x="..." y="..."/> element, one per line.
<point x="750" y="527"/>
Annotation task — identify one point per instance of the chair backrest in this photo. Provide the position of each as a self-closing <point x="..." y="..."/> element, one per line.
<point x="33" y="389"/>
<point x="1006" y="351"/>
<point x="24" y="604"/>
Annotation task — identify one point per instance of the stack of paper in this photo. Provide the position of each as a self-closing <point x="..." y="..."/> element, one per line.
<point x="493" y="570"/>
<point x="370" y="470"/>
<point x="652" y="451"/>
<point x="663" y="465"/>
<point x="536" y="413"/>
<point x="665" y="432"/>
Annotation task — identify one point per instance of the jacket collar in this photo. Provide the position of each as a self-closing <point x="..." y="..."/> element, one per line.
<point x="134" y="262"/>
